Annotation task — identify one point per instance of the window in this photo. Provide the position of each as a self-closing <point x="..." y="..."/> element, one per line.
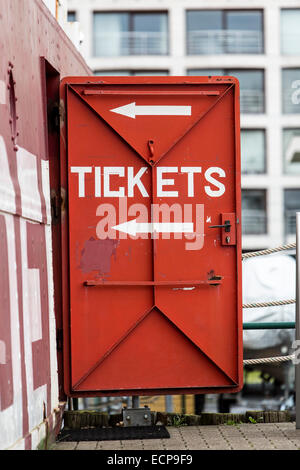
<point x="291" y="206"/>
<point x="290" y="91"/>
<point x="224" y="32"/>
<point x="132" y="72"/>
<point x="71" y="16"/>
<point x="253" y="151"/>
<point x="205" y="72"/>
<point x="291" y="150"/>
<point x="112" y="72"/>
<point x="251" y="90"/>
<point x="252" y="98"/>
<point x="290" y="31"/>
<point x="254" y="212"/>
<point x="137" y="33"/>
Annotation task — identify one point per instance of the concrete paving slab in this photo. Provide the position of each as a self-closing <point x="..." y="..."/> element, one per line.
<point x="267" y="436"/>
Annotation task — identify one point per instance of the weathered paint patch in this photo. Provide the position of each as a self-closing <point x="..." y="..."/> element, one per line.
<point x="96" y="255"/>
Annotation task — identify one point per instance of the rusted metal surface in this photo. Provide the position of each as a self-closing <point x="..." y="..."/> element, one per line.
<point x="152" y="235"/>
<point x="30" y="38"/>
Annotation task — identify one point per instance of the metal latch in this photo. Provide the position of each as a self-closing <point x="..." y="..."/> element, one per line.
<point x="226" y="225"/>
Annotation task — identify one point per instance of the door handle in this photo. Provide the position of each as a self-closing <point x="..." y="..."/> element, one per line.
<point x="226" y="225"/>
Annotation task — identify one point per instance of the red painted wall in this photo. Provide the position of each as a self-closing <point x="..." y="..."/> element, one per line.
<point x="34" y="54"/>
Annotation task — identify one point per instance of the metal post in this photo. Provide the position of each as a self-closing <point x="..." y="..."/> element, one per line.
<point x="75" y="403"/>
<point x="297" y="336"/>
<point x="135" y="401"/>
<point x="169" y="403"/>
<point x="183" y="404"/>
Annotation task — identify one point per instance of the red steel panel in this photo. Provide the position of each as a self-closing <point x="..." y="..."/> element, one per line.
<point x="154" y="235"/>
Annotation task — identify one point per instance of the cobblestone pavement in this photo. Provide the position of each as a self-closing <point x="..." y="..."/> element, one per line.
<point x="271" y="436"/>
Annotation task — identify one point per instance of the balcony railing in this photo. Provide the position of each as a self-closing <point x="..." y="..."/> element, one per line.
<point x="290" y="221"/>
<point x="130" y="43"/>
<point x="224" y="42"/>
<point x="252" y="101"/>
<point x="253" y="222"/>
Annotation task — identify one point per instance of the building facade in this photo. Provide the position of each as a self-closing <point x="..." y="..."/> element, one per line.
<point x="256" y="41"/>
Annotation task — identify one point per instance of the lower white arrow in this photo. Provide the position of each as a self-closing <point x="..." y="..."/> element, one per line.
<point x="131" y="110"/>
<point x="132" y="227"/>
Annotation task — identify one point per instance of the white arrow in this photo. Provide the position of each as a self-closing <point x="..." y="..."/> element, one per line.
<point x="132" y="227"/>
<point x="131" y="110"/>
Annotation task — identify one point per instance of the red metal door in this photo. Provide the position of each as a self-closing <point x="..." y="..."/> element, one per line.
<point x="152" y="235"/>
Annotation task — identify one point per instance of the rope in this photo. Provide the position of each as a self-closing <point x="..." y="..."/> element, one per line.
<point x="269" y="251"/>
<point x="277" y="359"/>
<point x="269" y="304"/>
<point x="264" y="360"/>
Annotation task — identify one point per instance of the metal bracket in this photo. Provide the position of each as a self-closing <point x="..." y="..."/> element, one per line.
<point x="137" y="416"/>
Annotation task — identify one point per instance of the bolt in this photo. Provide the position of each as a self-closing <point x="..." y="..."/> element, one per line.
<point x="145" y="416"/>
<point x="128" y="418"/>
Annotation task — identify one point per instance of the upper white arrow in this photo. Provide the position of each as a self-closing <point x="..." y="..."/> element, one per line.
<point x="132" y="227"/>
<point x="131" y="110"/>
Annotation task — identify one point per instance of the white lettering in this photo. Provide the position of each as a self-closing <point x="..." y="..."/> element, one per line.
<point x="136" y="181"/>
<point x="97" y="181"/>
<point x="113" y="170"/>
<point x="165" y="182"/>
<point x="190" y="170"/>
<point x="214" y="182"/>
<point x="81" y="170"/>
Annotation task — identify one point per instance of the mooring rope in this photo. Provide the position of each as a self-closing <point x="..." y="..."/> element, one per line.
<point x="276" y="359"/>
<point x="270" y="304"/>
<point x="265" y="360"/>
<point x="269" y="251"/>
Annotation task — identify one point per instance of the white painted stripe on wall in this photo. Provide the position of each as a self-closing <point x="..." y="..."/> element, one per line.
<point x="46" y="188"/>
<point x="36" y="397"/>
<point x="11" y="419"/>
<point x="52" y="321"/>
<point x="2" y="92"/>
<point x="33" y="298"/>
<point x="28" y="180"/>
<point x="2" y="352"/>
<point x="7" y="191"/>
